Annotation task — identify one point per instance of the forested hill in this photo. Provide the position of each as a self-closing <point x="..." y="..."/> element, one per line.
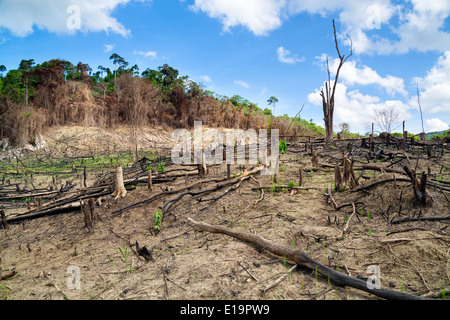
<point x="34" y="97"/>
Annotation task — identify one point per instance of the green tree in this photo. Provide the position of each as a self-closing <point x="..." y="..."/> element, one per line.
<point x="118" y="60"/>
<point x="273" y="102"/>
<point x="26" y="65"/>
<point x="155" y="77"/>
<point x="2" y="69"/>
<point x="135" y="70"/>
<point x="13" y="86"/>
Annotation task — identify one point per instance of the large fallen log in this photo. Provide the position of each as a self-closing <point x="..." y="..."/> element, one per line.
<point x="303" y="260"/>
<point x="68" y="205"/>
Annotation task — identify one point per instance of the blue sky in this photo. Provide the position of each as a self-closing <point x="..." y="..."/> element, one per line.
<point x="258" y="49"/>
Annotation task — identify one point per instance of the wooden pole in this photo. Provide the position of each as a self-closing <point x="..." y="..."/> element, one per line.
<point x="92" y="210"/>
<point x="314" y="159"/>
<point x="300" y="176"/>
<point x="405" y="135"/>
<point x="337" y="179"/>
<point x="149" y="181"/>
<point x="84" y="177"/>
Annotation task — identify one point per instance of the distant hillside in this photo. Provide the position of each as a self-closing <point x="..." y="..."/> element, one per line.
<point x="34" y="98"/>
<point x="439" y="133"/>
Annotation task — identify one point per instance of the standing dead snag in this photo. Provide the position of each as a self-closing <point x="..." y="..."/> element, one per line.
<point x="300" y="176"/>
<point x="349" y="174"/>
<point x="337" y="179"/>
<point x="329" y="94"/>
<point x="120" y="190"/>
<point x="314" y="159"/>
<point x="419" y="186"/>
<point x="86" y="214"/>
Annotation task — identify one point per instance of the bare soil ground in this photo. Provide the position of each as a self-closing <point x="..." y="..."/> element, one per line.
<point x="187" y="265"/>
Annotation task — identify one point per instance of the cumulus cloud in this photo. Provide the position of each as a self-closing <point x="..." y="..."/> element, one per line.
<point x="259" y="16"/>
<point x="353" y="74"/>
<point x="64" y="16"/>
<point x="435" y="87"/>
<point x="285" y="56"/>
<point x="357" y="109"/>
<point x="414" y="24"/>
<point x="433" y="125"/>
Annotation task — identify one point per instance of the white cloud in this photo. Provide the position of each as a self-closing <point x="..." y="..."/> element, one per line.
<point x="242" y="84"/>
<point x="205" y="78"/>
<point x="434" y="88"/>
<point x="64" y="16"/>
<point x="414" y="24"/>
<point x="147" y="54"/>
<point x="109" y="47"/>
<point x="285" y="56"/>
<point x="352" y="74"/>
<point x="259" y="16"/>
<point x="357" y="109"/>
<point x="433" y="125"/>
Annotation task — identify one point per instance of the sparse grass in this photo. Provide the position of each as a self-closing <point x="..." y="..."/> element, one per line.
<point x="3" y="292"/>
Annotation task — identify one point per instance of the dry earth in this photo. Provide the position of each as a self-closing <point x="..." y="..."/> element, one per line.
<point x="188" y="265"/>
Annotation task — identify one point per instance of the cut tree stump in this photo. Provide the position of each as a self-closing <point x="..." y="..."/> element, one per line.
<point x="419" y="186"/>
<point x="120" y="191"/>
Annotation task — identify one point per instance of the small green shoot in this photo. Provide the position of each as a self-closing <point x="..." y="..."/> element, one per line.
<point x="158" y="220"/>
<point x="161" y="167"/>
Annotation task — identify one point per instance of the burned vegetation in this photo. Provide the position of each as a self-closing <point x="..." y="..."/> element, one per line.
<point x="365" y="219"/>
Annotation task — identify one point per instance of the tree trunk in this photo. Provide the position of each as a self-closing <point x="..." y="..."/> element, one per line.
<point x="330" y="91"/>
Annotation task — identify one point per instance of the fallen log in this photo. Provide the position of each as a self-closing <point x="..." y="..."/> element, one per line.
<point x="154" y="197"/>
<point x="398" y="180"/>
<point x="381" y="169"/>
<point x="420" y="219"/>
<point x="66" y="206"/>
<point x="33" y="195"/>
<point x="238" y="180"/>
<point x="303" y="260"/>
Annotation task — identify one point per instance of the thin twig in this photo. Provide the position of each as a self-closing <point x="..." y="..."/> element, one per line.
<point x="254" y="278"/>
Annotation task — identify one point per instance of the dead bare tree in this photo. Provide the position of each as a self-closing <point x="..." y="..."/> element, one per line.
<point x="328" y="97"/>
<point x="387" y="119"/>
